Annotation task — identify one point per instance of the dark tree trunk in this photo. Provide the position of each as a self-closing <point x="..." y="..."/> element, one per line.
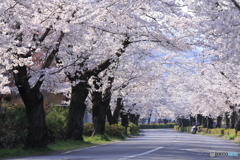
<point x="149" y="118"/>
<point x="37" y="131"/>
<point x="165" y="121"/>
<point x="233" y="119"/>
<point x="98" y="113"/>
<point x="109" y="115"/>
<point x="209" y="122"/>
<point x="185" y="122"/>
<point x="106" y="101"/>
<point x="76" y="111"/>
<point x="192" y="121"/>
<point x="124" y="120"/>
<point x="1" y="97"/>
<point x="117" y="110"/>
<point x="98" y="109"/>
<point x="204" y="122"/>
<point x="137" y="119"/>
<point x="238" y="126"/>
<point x="179" y="122"/>
<point x="199" y="119"/>
<point x="131" y="117"/>
<point x="143" y="120"/>
<point x="134" y="118"/>
<point x="219" y="122"/>
<point x="227" y="120"/>
<point x="37" y="136"/>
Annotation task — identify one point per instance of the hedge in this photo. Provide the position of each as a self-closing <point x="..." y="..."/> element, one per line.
<point x="152" y="126"/>
<point x="114" y="130"/>
<point x="133" y="129"/>
<point x="216" y="131"/>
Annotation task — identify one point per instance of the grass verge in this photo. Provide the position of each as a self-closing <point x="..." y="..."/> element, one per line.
<point x="227" y="137"/>
<point x="58" y="147"/>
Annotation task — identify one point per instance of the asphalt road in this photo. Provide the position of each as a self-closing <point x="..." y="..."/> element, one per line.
<point x="154" y="144"/>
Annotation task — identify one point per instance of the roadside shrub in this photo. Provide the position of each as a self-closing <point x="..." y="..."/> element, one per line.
<point x="88" y="129"/>
<point x="183" y="129"/>
<point x="145" y="126"/>
<point x="56" y="119"/>
<point x="133" y="128"/>
<point x="232" y="132"/>
<point x="199" y="128"/>
<point x="176" y="127"/>
<point x="218" y="131"/>
<point x="232" y="136"/>
<point x="205" y="130"/>
<point x="151" y="126"/>
<point x="226" y="132"/>
<point x="210" y="131"/>
<point x="238" y="133"/>
<point x="115" y="130"/>
<point x="13" y="124"/>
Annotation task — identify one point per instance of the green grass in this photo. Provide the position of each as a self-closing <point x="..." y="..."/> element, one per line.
<point x="227" y="137"/>
<point x="58" y="147"/>
<point x="231" y="137"/>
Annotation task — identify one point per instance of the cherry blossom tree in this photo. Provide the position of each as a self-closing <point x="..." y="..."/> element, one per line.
<point x="45" y="41"/>
<point x="32" y="34"/>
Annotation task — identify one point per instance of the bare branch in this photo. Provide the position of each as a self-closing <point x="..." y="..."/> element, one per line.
<point x="236" y="4"/>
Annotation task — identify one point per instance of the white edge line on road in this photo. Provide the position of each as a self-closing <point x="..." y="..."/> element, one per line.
<point x="144" y="153"/>
<point x="89" y="147"/>
<point x="200" y="151"/>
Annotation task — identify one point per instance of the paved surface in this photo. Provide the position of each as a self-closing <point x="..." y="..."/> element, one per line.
<point x="154" y="144"/>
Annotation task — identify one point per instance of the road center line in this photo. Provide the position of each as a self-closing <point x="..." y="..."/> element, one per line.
<point x="144" y="153"/>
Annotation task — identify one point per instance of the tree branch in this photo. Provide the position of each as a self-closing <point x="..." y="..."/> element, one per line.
<point x="236" y="4"/>
<point x="109" y="61"/>
<point x="49" y="60"/>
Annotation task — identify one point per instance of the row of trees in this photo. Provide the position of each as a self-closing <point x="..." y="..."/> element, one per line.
<point x="75" y="47"/>
<point x="212" y="88"/>
<point x="120" y="57"/>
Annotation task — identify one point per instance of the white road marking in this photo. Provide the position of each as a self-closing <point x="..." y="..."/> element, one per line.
<point x="89" y="147"/>
<point x="144" y="153"/>
<point x="197" y="150"/>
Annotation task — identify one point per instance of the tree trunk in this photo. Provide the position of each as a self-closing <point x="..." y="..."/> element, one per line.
<point x="165" y="121"/>
<point x="204" y="122"/>
<point x="134" y="118"/>
<point x="117" y="110"/>
<point x="76" y="111"/>
<point x="227" y="120"/>
<point x="185" y="122"/>
<point x="233" y="119"/>
<point x="179" y="122"/>
<point x="192" y="121"/>
<point x="109" y="115"/>
<point x="149" y="118"/>
<point x="199" y="119"/>
<point x="238" y="126"/>
<point x="124" y="120"/>
<point x="98" y="112"/>
<point x="219" y="122"/>
<point x="1" y="97"/>
<point x="106" y="99"/>
<point x="37" y="136"/>
<point x="143" y="120"/>
<point x="209" y="122"/>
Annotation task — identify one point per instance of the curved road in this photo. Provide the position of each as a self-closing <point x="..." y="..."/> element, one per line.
<point x="154" y="144"/>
